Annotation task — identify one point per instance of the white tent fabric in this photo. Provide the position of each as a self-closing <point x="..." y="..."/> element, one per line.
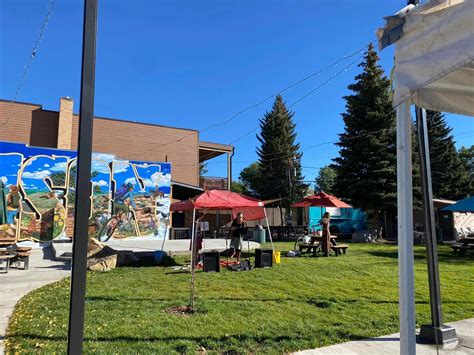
<point x="434" y="69"/>
<point x="434" y="58"/>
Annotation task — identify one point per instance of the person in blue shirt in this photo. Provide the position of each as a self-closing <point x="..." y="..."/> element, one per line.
<point x="124" y="194"/>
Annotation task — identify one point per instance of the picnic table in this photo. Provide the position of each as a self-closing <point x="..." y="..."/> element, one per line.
<point x="5" y="258"/>
<point x="315" y="245"/>
<point x="14" y="255"/>
<point x="463" y="245"/>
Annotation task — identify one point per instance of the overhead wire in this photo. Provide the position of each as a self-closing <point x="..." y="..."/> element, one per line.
<point x="261" y="102"/>
<point x="31" y="58"/>
<point x="299" y="100"/>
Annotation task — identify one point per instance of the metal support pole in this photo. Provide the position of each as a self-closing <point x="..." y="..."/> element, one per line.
<point x="406" y="261"/>
<point x="268" y="229"/>
<point x="82" y="205"/>
<point x="436" y="332"/>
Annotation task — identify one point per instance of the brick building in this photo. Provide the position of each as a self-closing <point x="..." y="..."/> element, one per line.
<point x="30" y="124"/>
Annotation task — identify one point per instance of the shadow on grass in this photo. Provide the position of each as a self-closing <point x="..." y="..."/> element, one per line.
<point x="322" y="302"/>
<point x="200" y="340"/>
<point x="126" y="299"/>
<point x="442" y="257"/>
<point x="148" y="261"/>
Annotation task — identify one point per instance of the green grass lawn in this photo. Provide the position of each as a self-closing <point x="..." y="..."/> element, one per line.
<point x="302" y="303"/>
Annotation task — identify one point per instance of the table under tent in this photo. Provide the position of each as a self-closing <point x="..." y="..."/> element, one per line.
<point x="434" y="69"/>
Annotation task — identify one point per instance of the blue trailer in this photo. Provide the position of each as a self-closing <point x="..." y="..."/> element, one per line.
<point x="343" y="220"/>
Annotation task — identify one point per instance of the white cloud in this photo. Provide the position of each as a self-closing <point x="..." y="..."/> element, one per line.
<point x="100" y="166"/>
<point x="131" y="180"/>
<point x="121" y="166"/>
<point x="158" y="179"/>
<point x="61" y="166"/>
<point x="101" y="161"/>
<point x="100" y="183"/>
<point x="38" y="175"/>
<point x="165" y="179"/>
<point x="4" y="179"/>
<point x="46" y="165"/>
<point x="103" y="156"/>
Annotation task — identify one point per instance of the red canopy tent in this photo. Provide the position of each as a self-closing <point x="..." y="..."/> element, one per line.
<point x="321" y="199"/>
<point x="221" y="200"/>
<point x="252" y="208"/>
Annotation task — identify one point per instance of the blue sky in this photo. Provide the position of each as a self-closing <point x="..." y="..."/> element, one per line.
<point x="192" y="63"/>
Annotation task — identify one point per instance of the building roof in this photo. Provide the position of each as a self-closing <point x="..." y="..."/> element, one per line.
<point x="209" y="150"/>
<point x="76" y="115"/>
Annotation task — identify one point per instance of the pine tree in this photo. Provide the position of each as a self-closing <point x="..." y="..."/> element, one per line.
<point x="279" y="156"/>
<point x="366" y="167"/>
<point x="467" y="157"/>
<point x="325" y="179"/>
<point x="449" y="175"/>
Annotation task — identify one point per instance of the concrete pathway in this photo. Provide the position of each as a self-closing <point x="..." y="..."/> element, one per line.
<point x="172" y="247"/>
<point x="17" y="283"/>
<point x="390" y="344"/>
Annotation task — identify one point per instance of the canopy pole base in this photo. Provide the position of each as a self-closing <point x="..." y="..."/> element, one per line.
<point x="430" y="334"/>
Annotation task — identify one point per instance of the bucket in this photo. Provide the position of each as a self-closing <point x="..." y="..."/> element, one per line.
<point x="159" y="255"/>
<point x="276" y="257"/>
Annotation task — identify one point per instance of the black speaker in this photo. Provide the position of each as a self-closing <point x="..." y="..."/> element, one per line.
<point x="210" y="261"/>
<point x="263" y="258"/>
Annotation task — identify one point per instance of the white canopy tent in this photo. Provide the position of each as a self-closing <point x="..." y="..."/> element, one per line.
<point x="434" y="69"/>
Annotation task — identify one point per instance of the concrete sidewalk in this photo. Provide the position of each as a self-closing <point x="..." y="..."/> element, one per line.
<point x="63" y="251"/>
<point x="390" y="344"/>
<point x="17" y="283"/>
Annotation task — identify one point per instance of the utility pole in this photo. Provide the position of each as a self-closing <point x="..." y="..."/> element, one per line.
<point x="436" y="332"/>
<point x="84" y="158"/>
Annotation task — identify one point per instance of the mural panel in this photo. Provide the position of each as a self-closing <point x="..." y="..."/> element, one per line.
<point x="128" y="199"/>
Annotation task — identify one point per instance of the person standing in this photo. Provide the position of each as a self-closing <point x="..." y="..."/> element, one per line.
<point x="237" y="230"/>
<point x="326" y="234"/>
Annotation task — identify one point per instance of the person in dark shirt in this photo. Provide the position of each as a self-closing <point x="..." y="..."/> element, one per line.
<point x="237" y="230"/>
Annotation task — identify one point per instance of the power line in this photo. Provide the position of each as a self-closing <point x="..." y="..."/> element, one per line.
<point x="32" y="57"/>
<point x="261" y="102"/>
<point x="284" y="155"/>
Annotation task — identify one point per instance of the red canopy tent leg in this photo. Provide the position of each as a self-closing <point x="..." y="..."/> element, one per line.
<point x="268" y="228"/>
<point x="192" y="258"/>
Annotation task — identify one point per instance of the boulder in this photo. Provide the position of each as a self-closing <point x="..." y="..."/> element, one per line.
<point x="101" y="257"/>
<point x="103" y="260"/>
<point x="93" y="247"/>
<point x="366" y="236"/>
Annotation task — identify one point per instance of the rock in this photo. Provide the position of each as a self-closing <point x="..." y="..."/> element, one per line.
<point x="102" y="264"/>
<point x="366" y="236"/>
<point x="93" y="247"/>
<point x="104" y="260"/>
<point x="101" y="257"/>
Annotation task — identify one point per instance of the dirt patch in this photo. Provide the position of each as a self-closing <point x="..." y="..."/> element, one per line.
<point x="181" y="311"/>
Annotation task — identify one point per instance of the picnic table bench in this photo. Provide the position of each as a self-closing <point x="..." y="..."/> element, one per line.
<point x="463" y="245"/>
<point x="5" y="262"/>
<point x="308" y="247"/>
<point x="14" y="255"/>
<point x="316" y="246"/>
<point x="337" y="248"/>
